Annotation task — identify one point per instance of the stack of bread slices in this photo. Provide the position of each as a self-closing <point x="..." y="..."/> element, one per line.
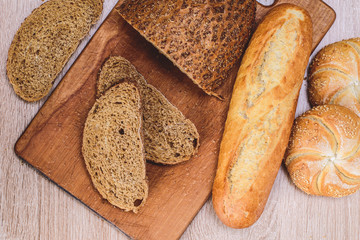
<point x="130" y="122"/>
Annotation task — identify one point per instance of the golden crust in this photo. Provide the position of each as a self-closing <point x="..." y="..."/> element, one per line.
<point x="260" y="115"/>
<point x="323" y="156"/>
<point x="334" y="75"/>
<point x="203" y="38"/>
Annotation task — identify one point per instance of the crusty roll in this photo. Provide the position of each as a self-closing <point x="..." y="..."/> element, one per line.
<point x="323" y="156"/>
<point x="261" y="113"/>
<point x="334" y="75"/>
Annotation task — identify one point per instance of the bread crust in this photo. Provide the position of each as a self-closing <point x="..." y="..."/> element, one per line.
<point x="323" y="156"/>
<point x="334" y="75"/>
<point x="204" y="39"/>
<point x="260" y="115"/>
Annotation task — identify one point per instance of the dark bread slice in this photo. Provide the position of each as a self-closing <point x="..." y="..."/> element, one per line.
<point x="44" y="43"/>
<point x="204" y="39"/>
<point x="170" y="138"/>
<point x="113" y="147"/>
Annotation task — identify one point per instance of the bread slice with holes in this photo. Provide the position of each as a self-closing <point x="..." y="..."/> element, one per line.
<point x="113" y="147"/>
<point x="169" y="137"/>
<point x="44" y="43"/>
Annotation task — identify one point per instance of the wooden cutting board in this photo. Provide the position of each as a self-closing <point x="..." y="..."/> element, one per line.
<point x="52" y="141"/>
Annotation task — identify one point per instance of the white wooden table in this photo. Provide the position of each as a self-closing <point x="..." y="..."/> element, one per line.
<point x="31" y="207"/>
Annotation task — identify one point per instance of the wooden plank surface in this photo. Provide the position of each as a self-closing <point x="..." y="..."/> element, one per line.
<point x="31" y="207"/>
<point x="52" y="142"/>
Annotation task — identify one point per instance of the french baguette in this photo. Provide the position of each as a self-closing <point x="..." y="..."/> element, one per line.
<point x="261" y="113"/>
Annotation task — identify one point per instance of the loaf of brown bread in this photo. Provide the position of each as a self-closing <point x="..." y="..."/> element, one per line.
<point x="169" y="137"/>
<point x="204" y="39"/>
<point x="261" y="113"/>
<point x="334" y="75"/>
<point x="44" y="43"/>
<point x="113" y="147"/>
<point x="323" y="156"/>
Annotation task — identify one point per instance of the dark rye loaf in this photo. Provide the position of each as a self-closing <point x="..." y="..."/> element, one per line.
<point x="169" y="137"/>
<point x="113" y="149"/>
<point x="203" y="38"/>
<point x="44" y="43"/>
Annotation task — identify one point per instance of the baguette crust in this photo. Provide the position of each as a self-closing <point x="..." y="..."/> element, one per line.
<point x="260" y="115"/>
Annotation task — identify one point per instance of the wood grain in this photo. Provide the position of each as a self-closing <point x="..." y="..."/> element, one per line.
<point x="33" y="208"/>
<point x="52" y="142"/>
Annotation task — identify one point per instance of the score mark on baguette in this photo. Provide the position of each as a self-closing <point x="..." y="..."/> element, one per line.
<point x="261" y="113"/>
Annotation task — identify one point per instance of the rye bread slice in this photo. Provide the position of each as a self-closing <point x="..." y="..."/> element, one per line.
<point x="169" y="137"/>
<point x="204" y="39"/>
<point x="113" y="147"/>
<point x="44" y="43"/>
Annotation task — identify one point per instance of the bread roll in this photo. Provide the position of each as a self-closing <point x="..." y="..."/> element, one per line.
<point x="261" y="114"/>
<point x="323" y="156"/>
<point x="334" y="75"/>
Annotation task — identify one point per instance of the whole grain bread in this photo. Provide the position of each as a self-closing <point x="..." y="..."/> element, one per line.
<point x="113" y="148"/>
<point x="44" y="43"/>
<point x="204" y="39"/>
<point x="169" y="137"/>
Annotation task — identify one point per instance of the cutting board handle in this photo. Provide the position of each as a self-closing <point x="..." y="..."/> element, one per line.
<point x="277" y="2"/>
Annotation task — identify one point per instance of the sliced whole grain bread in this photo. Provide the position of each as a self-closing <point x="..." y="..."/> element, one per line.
<point x="204" y="39"/>
<point x="170" y="138"/>
<point x="44" y="43"/>
<point x="113" y="147"/>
